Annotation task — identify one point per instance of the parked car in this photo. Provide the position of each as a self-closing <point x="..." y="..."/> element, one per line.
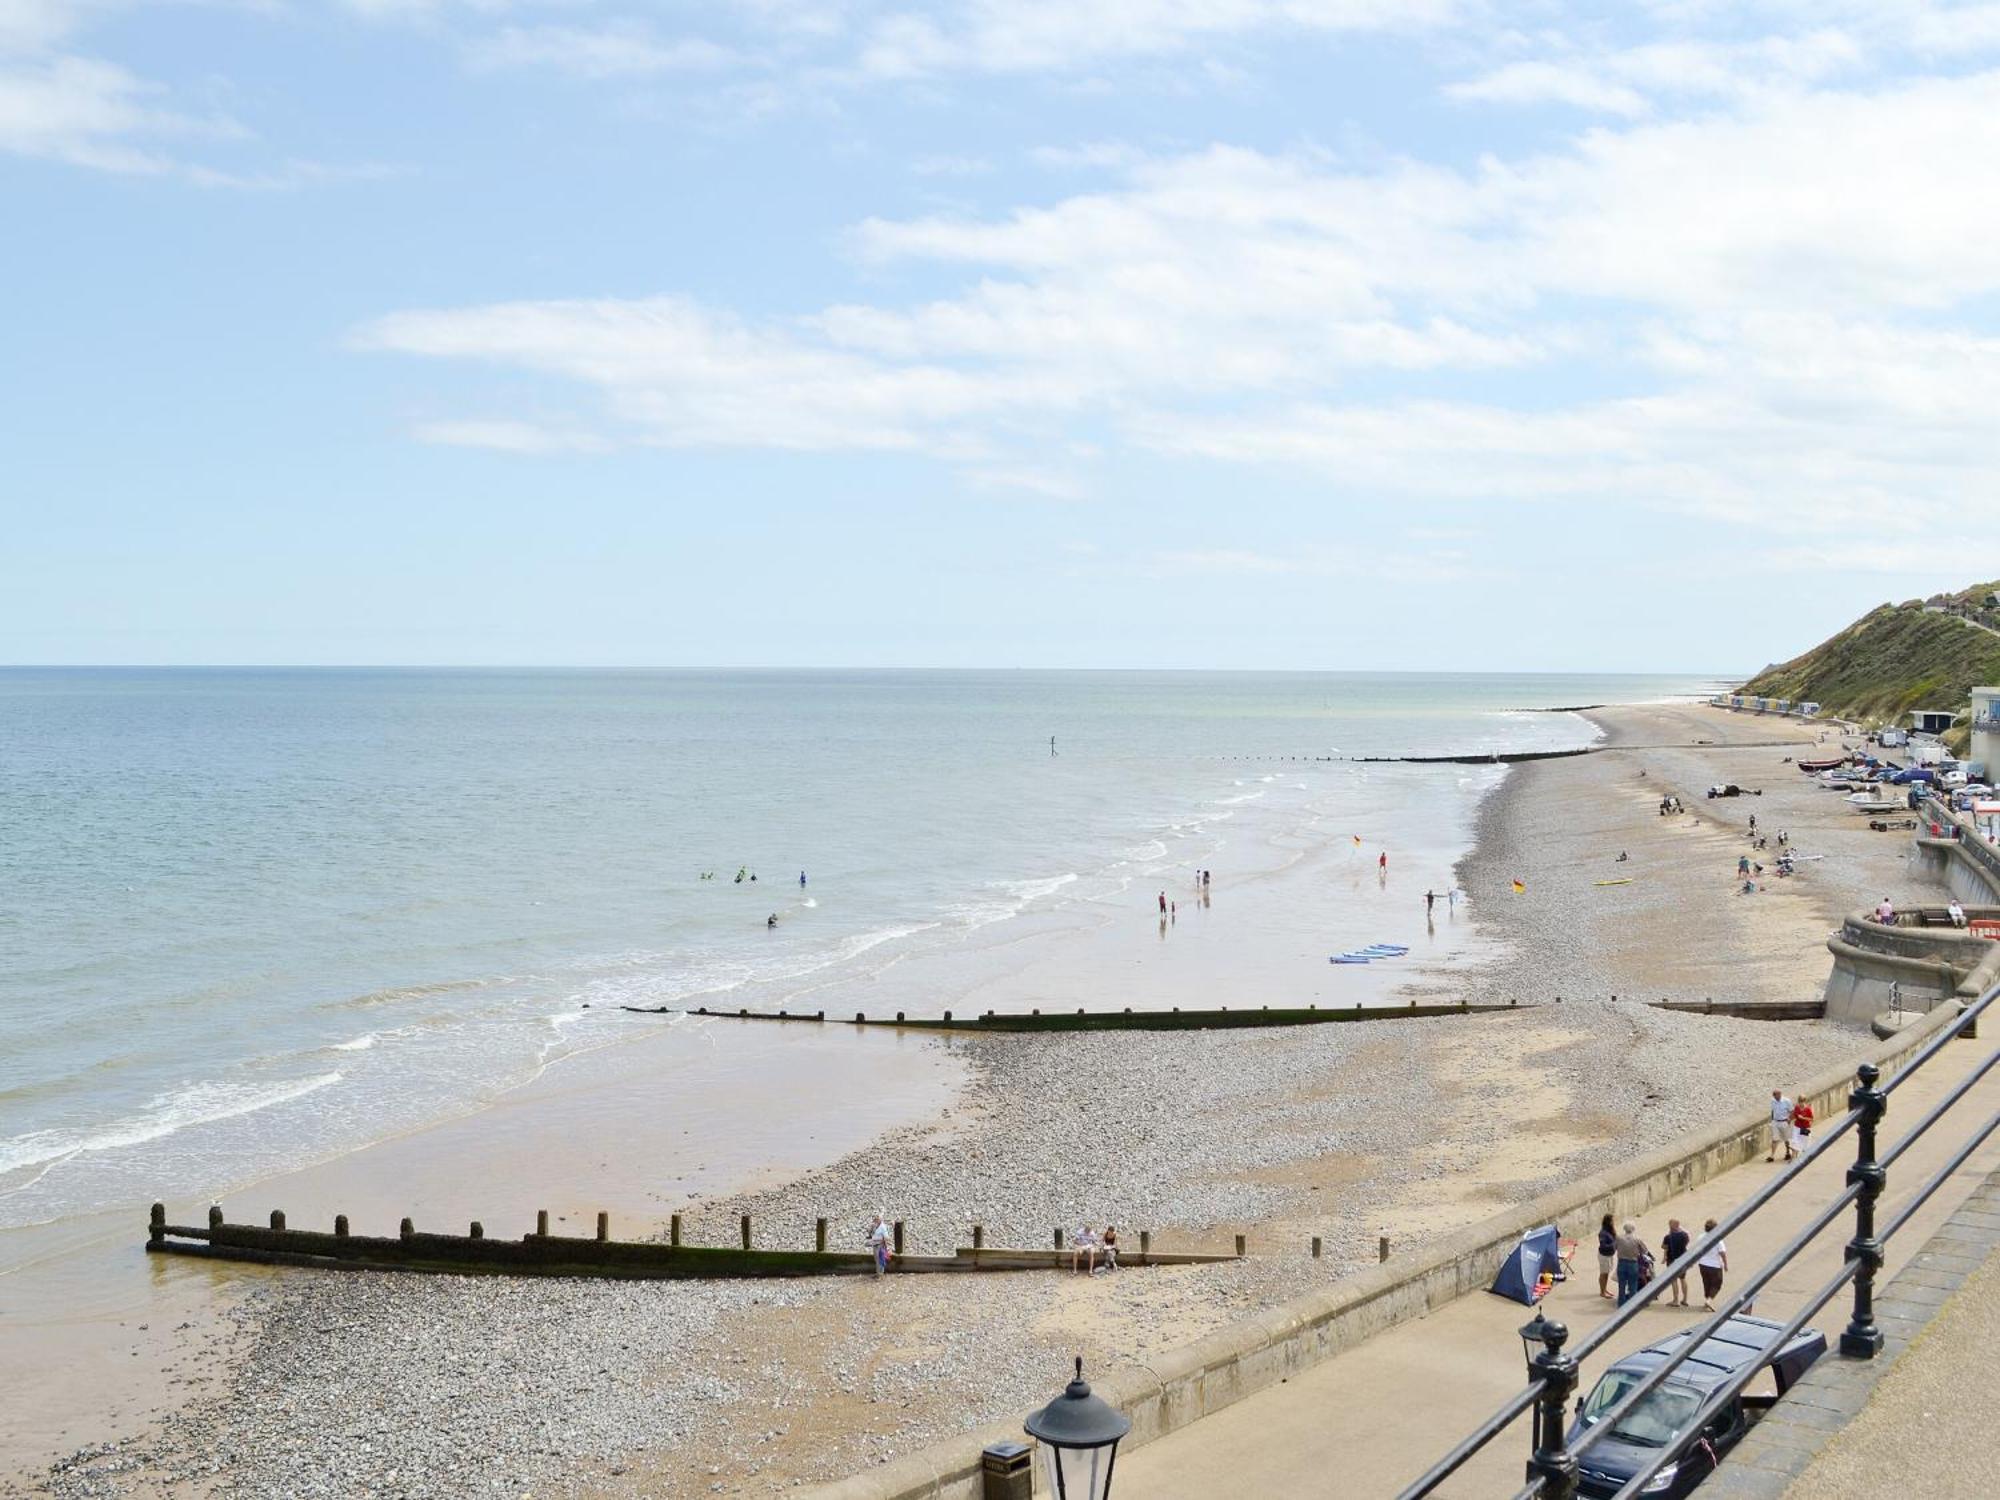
<point x="1665" y="1418"/>
<point x="1954" y="778"/>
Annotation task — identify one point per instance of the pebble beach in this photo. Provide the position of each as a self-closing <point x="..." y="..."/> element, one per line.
<point x="383" y="1384"/>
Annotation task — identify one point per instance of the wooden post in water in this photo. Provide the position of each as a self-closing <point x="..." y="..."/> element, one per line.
<point x="674" y="1231"/>
<point x="340" y="1226"/>
<point x="1315" y="1247"/>
<point x="603" y="1225"/>
<point x="214" y="1216"/>
<point x="819" y="1235"/>
<point x="157" y="1224"/>
<point x="406" y="1229"/>
<point x="899" y="1236"/>
<point x="542" y="1222"/>
<point x="478" y="1230"/>
<point x="278" y="1219"/>
<point x="746" y="1231"/>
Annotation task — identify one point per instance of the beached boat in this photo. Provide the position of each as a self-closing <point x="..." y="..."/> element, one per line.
<point x="1814" y="767"/>
<point x="1877" y="801"/>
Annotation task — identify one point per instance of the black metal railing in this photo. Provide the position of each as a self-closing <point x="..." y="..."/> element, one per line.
<point x="1554" y="1462"/>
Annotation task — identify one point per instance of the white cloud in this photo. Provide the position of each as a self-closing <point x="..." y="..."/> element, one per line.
<point x="507" y="436"/>
<point x="623" y="50"/>
<point x="1629" y="82"/>
<point x="1012" y="36"/>
<point x="1583" y="86"/>
<point x="91" y="113"/>
<point x="1783" y="293"/>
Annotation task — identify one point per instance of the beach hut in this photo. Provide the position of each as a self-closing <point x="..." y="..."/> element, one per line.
<point x="1521" y="1272"/>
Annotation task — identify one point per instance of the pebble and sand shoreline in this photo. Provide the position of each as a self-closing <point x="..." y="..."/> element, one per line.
<point x="383" y="1384"/>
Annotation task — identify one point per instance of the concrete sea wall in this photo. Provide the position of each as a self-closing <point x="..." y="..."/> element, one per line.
<point x="1877" y="964"/>
<point x="1204" y="1377"/>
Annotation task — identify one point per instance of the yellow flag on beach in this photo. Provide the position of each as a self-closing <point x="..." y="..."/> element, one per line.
<point x="1520" y="889"/>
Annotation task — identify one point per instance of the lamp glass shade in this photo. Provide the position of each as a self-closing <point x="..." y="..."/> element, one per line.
<point x="1531" y="1340"/>
<point x="1079" y="1473"/>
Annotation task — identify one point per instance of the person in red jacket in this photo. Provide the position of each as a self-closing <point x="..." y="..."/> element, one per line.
<point x="1802" y="1123"/>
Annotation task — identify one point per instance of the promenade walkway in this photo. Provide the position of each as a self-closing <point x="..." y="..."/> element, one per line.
<point x="1943" y="1389"/>
<point x="1367" y="1422"/>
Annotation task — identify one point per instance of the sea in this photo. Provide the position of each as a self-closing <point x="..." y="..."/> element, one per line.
<point x="253" y="919"/>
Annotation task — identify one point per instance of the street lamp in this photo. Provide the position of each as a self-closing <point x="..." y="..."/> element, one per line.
<point x="1533" y="1341"/>
<point x="1079" y="1436"/>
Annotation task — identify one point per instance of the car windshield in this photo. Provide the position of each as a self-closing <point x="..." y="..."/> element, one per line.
<point x="1655" y="1422"/>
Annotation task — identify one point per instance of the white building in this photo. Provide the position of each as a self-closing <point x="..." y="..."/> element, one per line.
<point x="1986" y="729"/>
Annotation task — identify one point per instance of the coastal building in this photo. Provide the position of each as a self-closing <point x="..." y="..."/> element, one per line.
<point x="1931" y="720"/>
<point x="1986" y="727"/>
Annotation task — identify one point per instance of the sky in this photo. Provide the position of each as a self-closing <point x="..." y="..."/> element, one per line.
<point x="1401" y="334"/>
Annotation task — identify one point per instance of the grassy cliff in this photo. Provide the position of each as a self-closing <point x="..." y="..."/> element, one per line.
<point x="1923" y="654"/>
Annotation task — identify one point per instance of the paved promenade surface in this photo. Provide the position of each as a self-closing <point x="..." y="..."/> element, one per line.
<point x="1929" y="1427"/>
<point x="1367" y="1422"/>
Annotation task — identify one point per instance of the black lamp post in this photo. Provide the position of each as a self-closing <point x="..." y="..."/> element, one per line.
<point x="1079" y="1436"/>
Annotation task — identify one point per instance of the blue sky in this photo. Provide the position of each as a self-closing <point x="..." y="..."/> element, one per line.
<point x="1233" y="333"/>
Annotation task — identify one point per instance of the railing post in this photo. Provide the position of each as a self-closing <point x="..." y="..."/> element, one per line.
<point x="1862" y="1339"/>
<point x="1552" y="1462"/>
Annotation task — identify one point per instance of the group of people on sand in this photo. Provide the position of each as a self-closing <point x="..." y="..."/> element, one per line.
<point x="1087" y="1248"/>
<point x="1670" y="805"/>
<point x="1623" y="1255"/>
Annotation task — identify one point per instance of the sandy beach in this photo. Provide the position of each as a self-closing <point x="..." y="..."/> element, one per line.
<point x="387" y="1384"/>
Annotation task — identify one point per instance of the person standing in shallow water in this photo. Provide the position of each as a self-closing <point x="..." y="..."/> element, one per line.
<point x="1163" y="903"/>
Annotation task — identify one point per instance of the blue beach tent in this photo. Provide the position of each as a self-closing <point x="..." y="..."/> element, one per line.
<point x="1523" y="1267"/>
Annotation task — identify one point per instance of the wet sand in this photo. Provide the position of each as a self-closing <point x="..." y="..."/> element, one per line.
<point x="1339" y="1131"/>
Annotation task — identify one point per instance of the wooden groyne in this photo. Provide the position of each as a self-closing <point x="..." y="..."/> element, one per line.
<point x="1102" y="1020"/>
<point x="545" y="1254"/>
<point x="1749" y="1010"/>
<point x="1493" y="758"/>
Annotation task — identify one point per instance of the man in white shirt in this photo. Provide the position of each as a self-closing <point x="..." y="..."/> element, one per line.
<point x="1781" y="1125"/>
<point x="1712" y="1265"/>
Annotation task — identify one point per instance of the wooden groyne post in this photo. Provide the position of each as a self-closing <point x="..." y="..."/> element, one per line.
<point x="819" y="1235"/>
<point x="746" y="1231"/>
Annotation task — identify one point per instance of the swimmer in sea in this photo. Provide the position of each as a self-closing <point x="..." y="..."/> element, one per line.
<point x="802" y="877"/>
<point x="772" y="920"/>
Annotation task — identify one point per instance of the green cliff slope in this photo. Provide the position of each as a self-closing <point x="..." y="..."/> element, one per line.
<point x="1896" y="658"/>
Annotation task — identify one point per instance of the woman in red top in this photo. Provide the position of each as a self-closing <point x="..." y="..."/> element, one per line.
<point x="1802" y="1122"/>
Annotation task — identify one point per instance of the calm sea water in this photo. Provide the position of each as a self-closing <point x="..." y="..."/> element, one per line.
<point x="254" y="918"/>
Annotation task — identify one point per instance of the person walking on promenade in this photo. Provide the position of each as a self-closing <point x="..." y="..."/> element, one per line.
<point x="1781" y="1126"/>
<point x="1802" y="1124"/>
<point x="1714" y="1261"/>
<point x="1607" y="1256"/>
<point x="1673" y="1245"/>
<point x="1631" y="1250"/>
